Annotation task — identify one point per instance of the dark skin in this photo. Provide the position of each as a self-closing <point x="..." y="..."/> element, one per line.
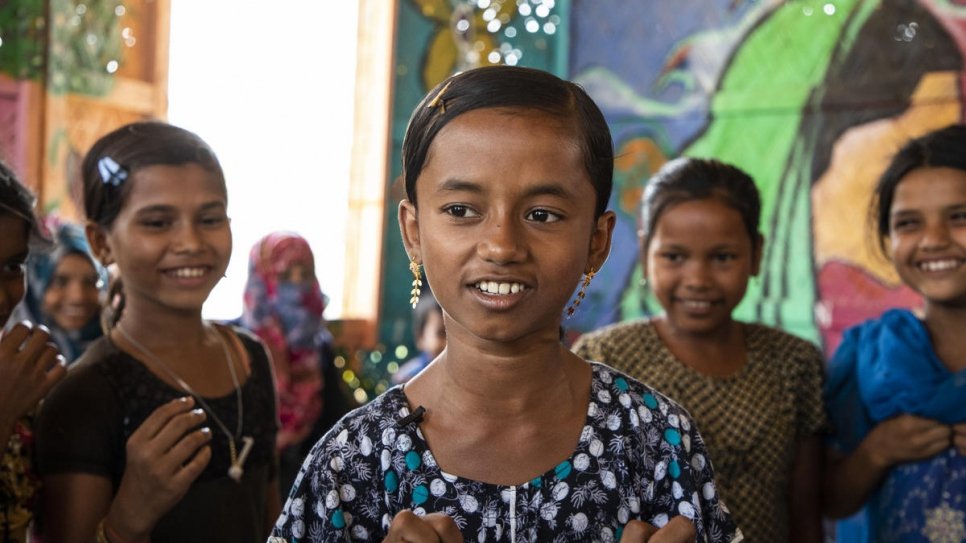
<point x="926" y="224"/>
<point x="698" y="260"/>
<point x="514" y="213"/>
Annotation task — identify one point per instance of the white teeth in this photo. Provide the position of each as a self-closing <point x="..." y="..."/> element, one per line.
<point x="939" y="265"/>
<point x="696" y="304"/>
<point x="189" y="272"/>
<point x="492" y="287"/>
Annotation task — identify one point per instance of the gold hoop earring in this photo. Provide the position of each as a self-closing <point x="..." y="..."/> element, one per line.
<point x="417" y="282"/>
<point x="581" y="293"/>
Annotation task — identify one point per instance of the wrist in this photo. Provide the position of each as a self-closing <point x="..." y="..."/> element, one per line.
<point x="120" y="532"/>
<point x="877" y="456"/>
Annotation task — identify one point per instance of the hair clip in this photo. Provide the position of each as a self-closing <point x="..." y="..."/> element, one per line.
<point x="111" y="172"/>
<point x="438" y="100"/>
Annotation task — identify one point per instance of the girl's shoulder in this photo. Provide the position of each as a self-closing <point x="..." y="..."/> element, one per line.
<point x="615" y="391"/>
<point x="630" y="338"/>
<point x="770" y="342"/>
<point x="378" y="421"/>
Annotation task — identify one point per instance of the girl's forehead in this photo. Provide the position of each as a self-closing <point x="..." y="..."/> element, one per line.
<point x="13" y="240"/>
<point x="160" y="182"/>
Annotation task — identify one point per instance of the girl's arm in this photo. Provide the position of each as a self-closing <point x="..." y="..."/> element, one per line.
<point x="850" y="479"/>
<point x="164" y="456"/>
<point x="273" y="505"/>
<point x="804" y="503"/>
<point x="73" y="504"/>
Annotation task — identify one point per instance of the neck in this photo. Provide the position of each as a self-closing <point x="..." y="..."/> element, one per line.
<point x="719" y="352"/>
<point x="503" y="380"/>
<point x="944" y="324"/>
<point x="163" y="329"/>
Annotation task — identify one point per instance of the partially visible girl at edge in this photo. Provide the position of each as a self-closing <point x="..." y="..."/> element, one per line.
<point x="64" y="290"/>
<point x="30" y="364"/>
<point x="165" y="429"/>
<point x="754" y="391"/>
<point x="896" y="391"/>
<point x="507" y="435"/>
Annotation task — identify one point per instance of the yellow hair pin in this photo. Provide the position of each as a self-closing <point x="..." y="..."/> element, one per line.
<point x="438" y="100"/>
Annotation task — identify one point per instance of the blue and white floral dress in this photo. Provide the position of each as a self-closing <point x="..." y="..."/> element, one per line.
<point x="639" y="457"/>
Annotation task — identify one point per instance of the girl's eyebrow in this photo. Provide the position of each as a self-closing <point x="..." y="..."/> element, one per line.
<point x="543" y="189"/>
<point x="459" y="185"/>
<point x="159" y="208"/>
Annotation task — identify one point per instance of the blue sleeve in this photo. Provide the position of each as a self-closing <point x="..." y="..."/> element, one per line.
<point x="849" y="421"/>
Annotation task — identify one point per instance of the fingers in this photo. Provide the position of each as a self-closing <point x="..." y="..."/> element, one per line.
<point x="409" y="527"/>
<point x="637" y="531"/>
<point x="160" y="417"/>
<point x="14" y="338"/>
<point x="678" y="530"/>
<point x="445" y="527"/>
<point x="959" y="437"/>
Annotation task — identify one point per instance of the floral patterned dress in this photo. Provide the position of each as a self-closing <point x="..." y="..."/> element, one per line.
<point x="639" y="457"/>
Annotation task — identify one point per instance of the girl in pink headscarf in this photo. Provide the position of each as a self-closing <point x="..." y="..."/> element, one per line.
<point x="283" y="305"/>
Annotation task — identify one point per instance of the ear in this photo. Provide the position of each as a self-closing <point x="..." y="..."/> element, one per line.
<point x="97" y="239"/>
<point x="409" y="228"/>
<point x="600" y="240"/>
<point x="756" y="254"/>
<point x="642" y="252"/>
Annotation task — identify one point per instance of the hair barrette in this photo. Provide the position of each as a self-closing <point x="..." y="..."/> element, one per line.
<point x="438" y="99"/>
<point x="111" y="172"/>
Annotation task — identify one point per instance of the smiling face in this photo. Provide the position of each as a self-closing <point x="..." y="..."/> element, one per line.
<point x="927" y="233"/>
<point x="505" y="226"/>
<point x="72" y="299"/>
<point x="698" y="263"/>
<point x="13" y="255"/>
<point x="171" y="241"/>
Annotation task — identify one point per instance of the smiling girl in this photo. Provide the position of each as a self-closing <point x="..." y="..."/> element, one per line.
<point x="507" y="435"/>
<point x="165" y="429"/>
<point x="754" y="391"/>
<point x="64" y="290"/>
<point x="896" y="392"/>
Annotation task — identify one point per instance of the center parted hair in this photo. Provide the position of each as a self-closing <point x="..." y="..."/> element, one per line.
<point x="131" y="147"/>
<point x="512" y="87"/>
<point x="684" y="179"/>
<point x="943" y="148"/>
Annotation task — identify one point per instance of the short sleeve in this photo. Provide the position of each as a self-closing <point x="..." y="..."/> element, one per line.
<point x="335" y="497"/>
<point x="810" y="416"/>
<point x="696" y="485"/>
<point x="78" y="427"/>
<point x="849" y="421"/>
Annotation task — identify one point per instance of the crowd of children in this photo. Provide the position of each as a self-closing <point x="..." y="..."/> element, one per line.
<point x="687" y="426"/>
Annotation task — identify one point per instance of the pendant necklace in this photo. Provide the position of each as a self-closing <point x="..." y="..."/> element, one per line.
<point x="235" y="471"/>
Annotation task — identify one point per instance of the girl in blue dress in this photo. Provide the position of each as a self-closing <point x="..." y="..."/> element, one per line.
<point x="896" y="389"/>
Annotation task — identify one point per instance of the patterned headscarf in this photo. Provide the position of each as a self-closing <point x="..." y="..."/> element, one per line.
<point x="68" y="239"/>
<point x="287" y="316"/>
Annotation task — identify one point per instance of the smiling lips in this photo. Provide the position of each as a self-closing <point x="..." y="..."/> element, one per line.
<point x="494" y="287"/>
<point x="939" y="265"/>
<point x="188" y="273"/>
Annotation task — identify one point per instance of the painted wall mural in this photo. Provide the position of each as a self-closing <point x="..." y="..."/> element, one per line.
<point x="810" y="97"/>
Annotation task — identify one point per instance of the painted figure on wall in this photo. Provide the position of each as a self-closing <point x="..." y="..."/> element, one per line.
<point x="809" y="97"/>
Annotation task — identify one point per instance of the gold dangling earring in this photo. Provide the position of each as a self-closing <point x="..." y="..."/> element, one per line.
<point x="417" y="282"/>
<point x="581" y="293"/>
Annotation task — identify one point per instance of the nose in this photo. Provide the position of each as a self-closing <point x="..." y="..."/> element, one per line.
<point x="935" y="235"/>
<point x="501" y="242"/>
<point x="187" y="239"/>
<point x="697" y="275"/>
<point x="77" y="291"/>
